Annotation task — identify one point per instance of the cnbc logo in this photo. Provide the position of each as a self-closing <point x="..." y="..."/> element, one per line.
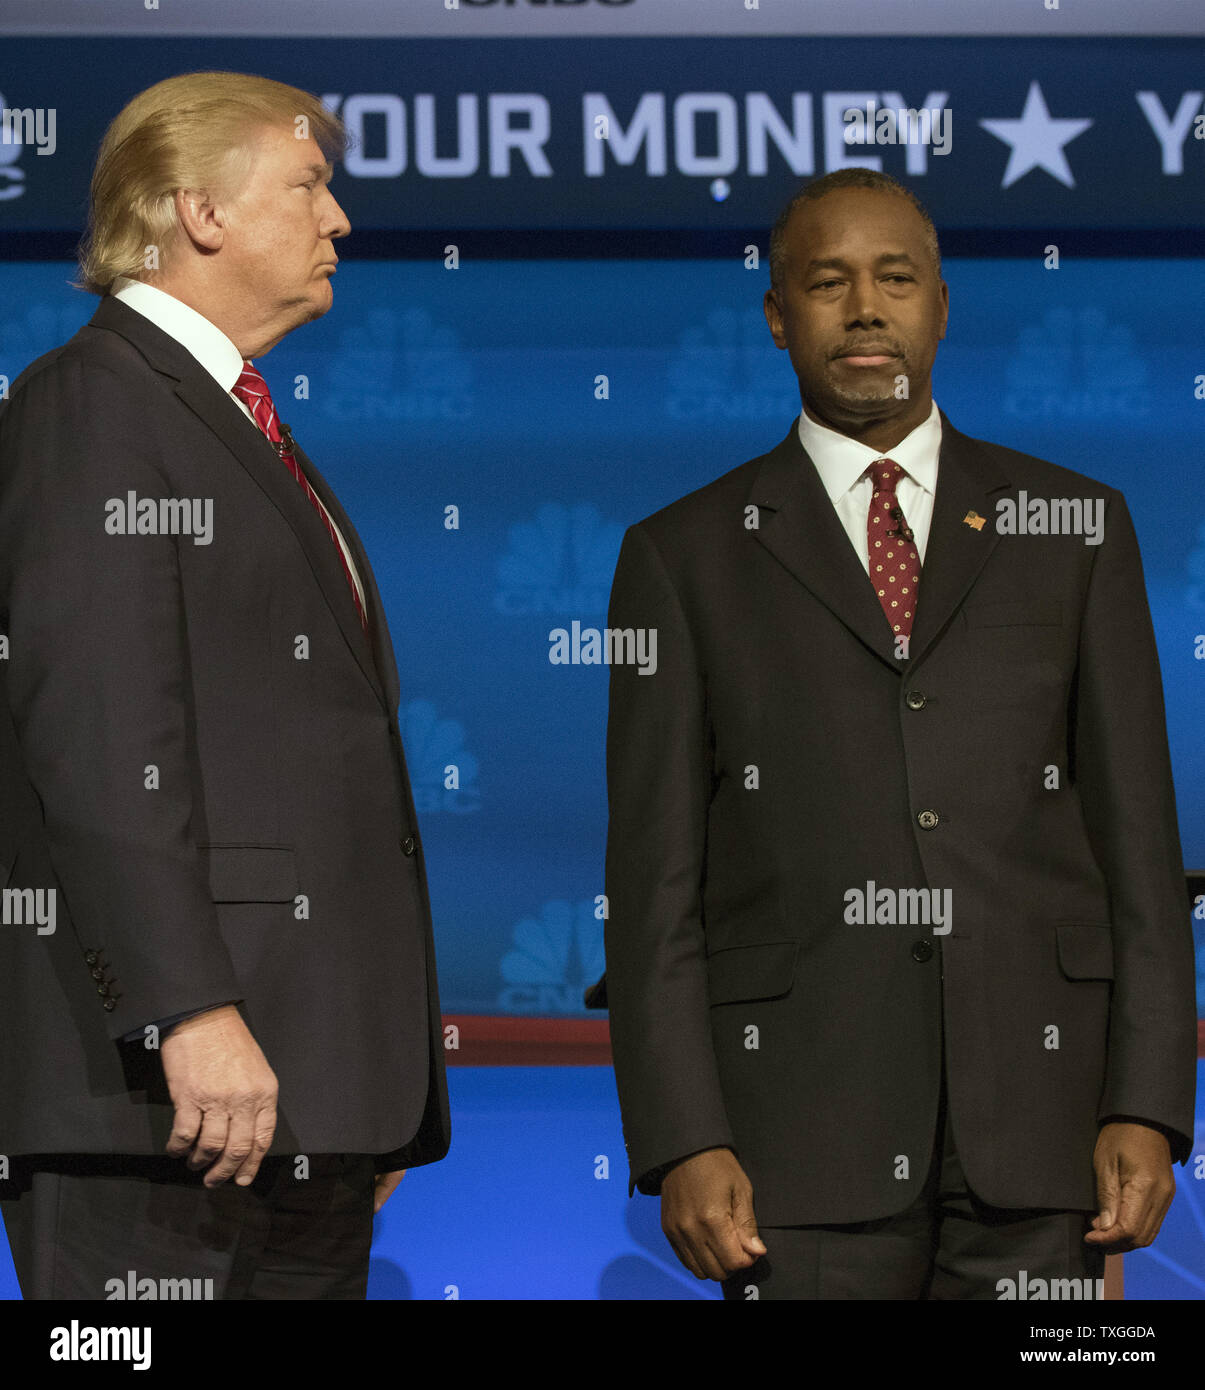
<point x="561" y="562"/>
<point x="399" y="366"/>
<point x="1077" y="365"/>
<point x="725" y="369"/>
<point x="553" y="958"/>
<point x="443" y="773"/>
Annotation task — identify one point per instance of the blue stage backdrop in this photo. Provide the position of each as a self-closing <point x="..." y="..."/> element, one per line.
<point x="456" y="413"/>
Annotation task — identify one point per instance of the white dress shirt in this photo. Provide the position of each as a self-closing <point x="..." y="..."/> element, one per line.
<point x="842" y="461"/>
<point x="216" y="353"/>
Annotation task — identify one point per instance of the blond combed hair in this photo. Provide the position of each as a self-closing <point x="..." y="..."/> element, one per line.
<point x="197" y="130"/>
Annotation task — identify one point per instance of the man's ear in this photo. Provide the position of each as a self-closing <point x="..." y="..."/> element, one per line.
<point x="773" y="312"/>
<point x="200" y="218"/>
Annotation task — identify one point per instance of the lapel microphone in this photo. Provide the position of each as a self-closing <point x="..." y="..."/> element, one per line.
<point x="897" y="514"/>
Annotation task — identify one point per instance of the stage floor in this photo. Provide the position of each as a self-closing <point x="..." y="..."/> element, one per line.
<point x="532" y="1203"/>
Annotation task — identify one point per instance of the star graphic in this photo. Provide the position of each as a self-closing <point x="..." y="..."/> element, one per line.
<point x="1037" y="139"/>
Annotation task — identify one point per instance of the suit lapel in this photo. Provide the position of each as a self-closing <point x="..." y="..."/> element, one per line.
<point x="386" y="666"/>
<point x="956" y="552"/>
<point x="799" y="526"/>
<point x="206" y="399"/>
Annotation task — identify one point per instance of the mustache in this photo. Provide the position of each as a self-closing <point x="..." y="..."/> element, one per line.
<point x="878" y="348"/>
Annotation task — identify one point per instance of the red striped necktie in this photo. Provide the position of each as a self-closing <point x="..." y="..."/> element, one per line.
<point x="253" y="391"/>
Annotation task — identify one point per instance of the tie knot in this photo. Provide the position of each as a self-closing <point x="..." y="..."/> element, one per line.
<point x="253" y="391"/>
<point x="251" y="382"/>
<point x="885" y="473"/>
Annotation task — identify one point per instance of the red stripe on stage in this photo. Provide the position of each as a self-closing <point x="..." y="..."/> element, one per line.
<point x="489" y="1040"/>
<point x="485" y="1040"/>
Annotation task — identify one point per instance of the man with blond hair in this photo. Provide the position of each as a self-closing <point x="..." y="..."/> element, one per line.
<point x="221" y="1045"/>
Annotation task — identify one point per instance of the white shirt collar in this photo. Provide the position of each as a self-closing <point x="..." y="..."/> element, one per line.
<point x="841" y="461"/>
<point x="207" y="343"/>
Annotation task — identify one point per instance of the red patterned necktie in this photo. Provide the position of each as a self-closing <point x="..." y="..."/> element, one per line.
<point x="894" y="559"/>
<point x="253" y="391"/>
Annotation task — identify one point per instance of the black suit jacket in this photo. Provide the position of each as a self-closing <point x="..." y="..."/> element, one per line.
<point x="781" y="756"/>
<point x="199" y="754"/>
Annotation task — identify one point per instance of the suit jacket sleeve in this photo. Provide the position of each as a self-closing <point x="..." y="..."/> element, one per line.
<point x="99" y="688"/>
<point x="164" y="1024"/>
<point x="659" y="781"/>
<point x="1123" y="771"/>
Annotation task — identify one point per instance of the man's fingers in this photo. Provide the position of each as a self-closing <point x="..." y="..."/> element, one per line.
<point x="224" y="1093"/>
<point x="729" y="1251"/>
<point x="186" y="1125"/>
<point x="265" y="1129"/>
<point x="714" y="1255"/>
<point x="1143" y="1208"/>
<point x="1112" y="1239"/>
<point x="707" y="1214"/>
<point x="384" y="1185"/>
<point x="1113" y="1226"/>
<point x="685" y="1254"/>
<point x="211" y="1140"/>
<point x="746" y="1224"/>
<point x="691" y="1246"/>
<point x="718" y="1246"/>
<point x="1108" y="1196"/>
<point x="1140" y="1210"/>
<point x="1135" y="1186"/>
<point x="240" y="1137"/>
<point x="228" y="1145"/>
<point x="704" y="1255"/>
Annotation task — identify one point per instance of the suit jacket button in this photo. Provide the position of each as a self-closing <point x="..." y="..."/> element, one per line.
<point x="408" y="845"/>
<point x="914" y="700"/>
<point x="110" y="1005"/>
<point x="927" y="819"/>
<point x="922" y="951"/>
<point x="91" y="957"/>
<point x="97" y="973"/>
<point x="103" y="988"/>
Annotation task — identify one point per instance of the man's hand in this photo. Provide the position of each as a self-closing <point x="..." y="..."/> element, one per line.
<point x="1134" y="1186"/>
<point x="224" y="1092"/>
<point x="385" y="1184"/>
<point x="707" y="1214"/>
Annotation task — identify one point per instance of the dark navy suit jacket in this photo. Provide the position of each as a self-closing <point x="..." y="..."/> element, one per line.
<point x="199" y="753"/>
<point x="783" y="755"/>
